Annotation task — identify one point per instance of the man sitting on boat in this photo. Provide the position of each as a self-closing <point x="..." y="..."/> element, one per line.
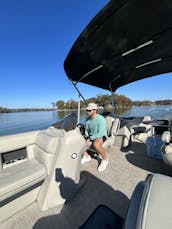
<point x="95" y="131"/>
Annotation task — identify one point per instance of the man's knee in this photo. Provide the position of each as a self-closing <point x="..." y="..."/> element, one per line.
<point x="97" y="143"/>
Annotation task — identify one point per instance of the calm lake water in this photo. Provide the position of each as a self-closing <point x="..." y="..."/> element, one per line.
<point x="12" y="123"/>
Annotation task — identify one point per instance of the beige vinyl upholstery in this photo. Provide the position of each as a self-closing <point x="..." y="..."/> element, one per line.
<point x="166" y="137"/>
<point x="147" y="132"/>
<point x="109" y="125"/>
<point x="14" y="179"/>
<point x="63" y="180"/>
<point x="17" y="141"/>
<point x="20" y="181"/>
<point x="47" y="144"/>
<point x="167" y="148"/>
<point x="50" y="174"/>
<point x="122" y="139"/>
<point x="150" y="206"/>
<point x="155" y="208"/>
<point x="112" y="125"/>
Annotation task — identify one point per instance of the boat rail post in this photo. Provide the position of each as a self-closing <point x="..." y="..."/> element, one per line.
<point x="112" y="93"/>
<point x="113" y="104"/>
<point x="79" y="109"/>
<point x="112" y="100"/>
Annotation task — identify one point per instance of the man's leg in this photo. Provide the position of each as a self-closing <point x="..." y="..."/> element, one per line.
<point x="98" y="147"/>
<point x="85" y="154"/>
<point x="86" y="157"/>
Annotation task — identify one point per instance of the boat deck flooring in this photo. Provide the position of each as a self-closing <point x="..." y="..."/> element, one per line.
<point x="113" y="187"/>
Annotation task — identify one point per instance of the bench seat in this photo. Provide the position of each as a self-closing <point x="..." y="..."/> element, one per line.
<point x="17" y="178"/>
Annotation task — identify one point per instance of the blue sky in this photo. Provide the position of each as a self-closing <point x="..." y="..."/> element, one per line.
<point x="35" y="38"/>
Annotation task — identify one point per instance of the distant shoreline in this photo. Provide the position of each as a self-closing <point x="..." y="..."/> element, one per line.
<point x="6" y="110"/>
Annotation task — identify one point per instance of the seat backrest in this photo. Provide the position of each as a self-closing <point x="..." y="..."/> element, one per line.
<point x="156" y="197"/>
<point x="109" y="125"/>
<point x="116" y="126"/>
<point x="146" y="118"/>
<point x="166" y="137"/>
<point x="147" y="126"/>
<point x="166" y="149"/>
<point x="123" y="137"/>
<point x="147" y="202"/>
<point x="112" y="125"/>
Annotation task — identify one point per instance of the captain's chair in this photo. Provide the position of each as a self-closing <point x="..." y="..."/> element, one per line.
<point x="112" y="126"/>
<point x="143" y="130"/>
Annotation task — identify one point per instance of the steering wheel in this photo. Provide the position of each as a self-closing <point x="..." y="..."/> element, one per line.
<point x="81" y="128"/>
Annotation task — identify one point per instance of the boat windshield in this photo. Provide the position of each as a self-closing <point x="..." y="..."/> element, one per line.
<point x="162" y="112"/>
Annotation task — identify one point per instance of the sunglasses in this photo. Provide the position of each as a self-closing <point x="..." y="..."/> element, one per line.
<point x="88" y="110"/>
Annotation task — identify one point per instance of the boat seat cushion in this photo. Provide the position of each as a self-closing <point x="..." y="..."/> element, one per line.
<point x="132" y="214"/>
<point x="109" y="125"/>
<point x="166" y="137"/>
<point x="166" y="149"/>
<point x="16" y="178"/>
<point x="155" y="207"/>
<point x="112" y="125"/>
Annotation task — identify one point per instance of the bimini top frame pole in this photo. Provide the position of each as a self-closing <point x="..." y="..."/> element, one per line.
<point x="79" y="93"/>
<point x="112" y="94"/>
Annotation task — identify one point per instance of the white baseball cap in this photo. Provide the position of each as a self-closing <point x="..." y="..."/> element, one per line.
<point x="91" y="106"/>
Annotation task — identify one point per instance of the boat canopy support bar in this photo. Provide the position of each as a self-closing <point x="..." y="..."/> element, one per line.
<point x="79" y="104"/>
<point x="80" y="95"/>
<point x="112" y="94"/>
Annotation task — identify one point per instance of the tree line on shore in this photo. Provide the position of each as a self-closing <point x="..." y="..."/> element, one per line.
<point x="120" y="101"/>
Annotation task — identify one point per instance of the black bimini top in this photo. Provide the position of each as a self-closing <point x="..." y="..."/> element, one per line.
<point x="128" y="40"/>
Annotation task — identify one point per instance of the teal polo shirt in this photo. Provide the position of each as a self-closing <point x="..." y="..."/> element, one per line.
<point x="95" y="127"/>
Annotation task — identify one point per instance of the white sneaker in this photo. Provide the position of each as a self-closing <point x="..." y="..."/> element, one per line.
<point x="103" y="165"/>
<point x="85" y="159"/>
